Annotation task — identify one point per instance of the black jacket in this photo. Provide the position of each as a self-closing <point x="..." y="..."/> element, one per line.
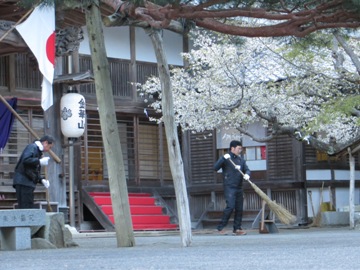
<point x="232" y="177"/>
<point x="27" y="170"/>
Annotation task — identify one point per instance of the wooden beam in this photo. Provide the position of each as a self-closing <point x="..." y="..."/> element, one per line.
<point x="15" y="24"/>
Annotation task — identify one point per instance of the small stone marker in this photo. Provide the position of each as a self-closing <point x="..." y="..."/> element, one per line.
<point x="15" y="232"/>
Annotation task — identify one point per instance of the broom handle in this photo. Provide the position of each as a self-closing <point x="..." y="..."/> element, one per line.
<point x="11" y="109"/>
<point x="240" y="170"/>
<point x="49" y="208"/>
<point x="235" y="165"/>
<point x="311" y="202"/>
<point x="281" y="212"/>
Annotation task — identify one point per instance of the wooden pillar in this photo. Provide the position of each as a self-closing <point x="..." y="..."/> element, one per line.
<point x="12" y="73"/>
<point x="133" y="61"/>
<point x="300" y="176"/>
<point x="52" y="127"/>
<point x="77" y="155"/>
<point x="352" y="190"/>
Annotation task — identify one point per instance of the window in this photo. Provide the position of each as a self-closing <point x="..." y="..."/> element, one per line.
<point x="255" y="153"/>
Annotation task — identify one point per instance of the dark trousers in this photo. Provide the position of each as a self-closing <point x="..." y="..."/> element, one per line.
<point x="234" y="201"/>
<point x="25" y="196"/>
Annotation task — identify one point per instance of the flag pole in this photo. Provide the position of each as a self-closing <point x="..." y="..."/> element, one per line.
<point x="13" y="26"/>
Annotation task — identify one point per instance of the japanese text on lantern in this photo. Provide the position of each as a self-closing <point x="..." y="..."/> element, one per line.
<point x="82" y="113"/>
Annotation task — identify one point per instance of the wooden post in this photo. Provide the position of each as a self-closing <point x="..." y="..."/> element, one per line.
<point x="352" y="190"/>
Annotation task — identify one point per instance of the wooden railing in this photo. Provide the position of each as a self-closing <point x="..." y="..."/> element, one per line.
<point x="28" y="76"/>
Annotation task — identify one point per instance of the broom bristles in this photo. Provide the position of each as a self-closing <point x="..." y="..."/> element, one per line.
<point x="316" y="220"/>
<point x="282" y="213"/>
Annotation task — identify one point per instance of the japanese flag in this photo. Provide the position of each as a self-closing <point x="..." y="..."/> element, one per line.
<point x="38" y="31"/>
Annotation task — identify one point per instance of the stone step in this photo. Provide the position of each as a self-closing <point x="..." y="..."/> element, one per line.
<point x="213" y="219"/>
<point x="217" y="214"/>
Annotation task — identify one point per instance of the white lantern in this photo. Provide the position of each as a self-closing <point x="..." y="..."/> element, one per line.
<point x="73" y="115"/>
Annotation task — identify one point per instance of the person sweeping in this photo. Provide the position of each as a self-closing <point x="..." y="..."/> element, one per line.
<point x="27" y="171"/>
<point x="233" y="186"/>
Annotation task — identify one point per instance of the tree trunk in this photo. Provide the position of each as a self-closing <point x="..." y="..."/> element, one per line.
<point x="109" y="129"/>
<point x="176" y="163"/>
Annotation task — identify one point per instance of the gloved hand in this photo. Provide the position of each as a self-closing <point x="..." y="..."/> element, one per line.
<point x="246" y="176"/>
<point x="44" y="161"/>
<point x="226" y="156"/>
<point x="46" y="183"/>
<point x="237" y="167"/>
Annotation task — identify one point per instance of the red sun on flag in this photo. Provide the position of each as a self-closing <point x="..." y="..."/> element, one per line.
<point x="50" y="48"/>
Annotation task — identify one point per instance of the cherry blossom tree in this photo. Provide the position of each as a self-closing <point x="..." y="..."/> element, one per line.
<point x="308" y="90"/>
<point x="298" y="18"/>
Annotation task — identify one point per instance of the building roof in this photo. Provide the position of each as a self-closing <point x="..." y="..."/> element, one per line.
<point x="10" y="11"/>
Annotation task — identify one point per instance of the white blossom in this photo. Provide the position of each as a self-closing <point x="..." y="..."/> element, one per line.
<point x="232" y="84"/>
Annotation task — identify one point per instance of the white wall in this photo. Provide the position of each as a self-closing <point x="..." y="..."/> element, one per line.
<point x="117" y="44"/>
<point x="256" y="165"/>
<point x="322" y="175"/>
<point x="325" y="175"/>
<point x="172" y="44"/>
<point x="341" y="199"/>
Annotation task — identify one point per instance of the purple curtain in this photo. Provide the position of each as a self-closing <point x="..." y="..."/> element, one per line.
<point x="6" y="121"/>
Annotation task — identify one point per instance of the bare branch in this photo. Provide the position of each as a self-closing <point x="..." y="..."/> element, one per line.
<point x="354" y="58"/>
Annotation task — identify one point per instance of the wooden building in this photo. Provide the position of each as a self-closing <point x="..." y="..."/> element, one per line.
<point x="290" y="168"/>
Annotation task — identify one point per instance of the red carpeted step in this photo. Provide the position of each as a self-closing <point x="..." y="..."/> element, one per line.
<point x="145" y="214"/>
<point x="106" y="200"/>
<point x="136" y="210"/>
<point x="147" y="219"/>
<point x="108" y="194"/>
<point x="144" y="227"/>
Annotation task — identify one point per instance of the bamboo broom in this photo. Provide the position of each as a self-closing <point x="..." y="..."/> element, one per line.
<point x="283" y="214"/>
<point x="311" y="203"/>
<point x="317" y="219"/>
